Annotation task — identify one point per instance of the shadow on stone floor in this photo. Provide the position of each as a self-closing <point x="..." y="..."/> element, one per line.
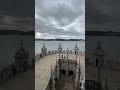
<point x="66" y="83"/>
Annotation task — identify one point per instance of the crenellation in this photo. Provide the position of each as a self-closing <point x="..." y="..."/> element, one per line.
<point x="53" y="52"/>
<point x="56" y="51"/>
<point x="49" y="52"/>
<point x="41" y="55"/>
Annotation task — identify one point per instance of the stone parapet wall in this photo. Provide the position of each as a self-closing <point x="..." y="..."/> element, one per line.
<point x="40" y="55"/>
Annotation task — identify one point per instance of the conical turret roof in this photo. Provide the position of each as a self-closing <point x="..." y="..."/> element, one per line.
<point x="76" y="47"/>
<point x="60" y="46"/>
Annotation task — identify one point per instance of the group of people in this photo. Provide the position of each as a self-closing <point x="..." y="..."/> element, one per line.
<point x="63" y="56"/>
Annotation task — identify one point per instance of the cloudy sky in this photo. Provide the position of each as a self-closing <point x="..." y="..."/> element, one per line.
<point x="17" y="14"/>
<point x="60" y="19"/>
<point x="102" y="15"/>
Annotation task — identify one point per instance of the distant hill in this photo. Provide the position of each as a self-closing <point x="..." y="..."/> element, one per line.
<point x="16" y="32"/>
<point x="102" y="33"/>
<point x="59" y="39"/>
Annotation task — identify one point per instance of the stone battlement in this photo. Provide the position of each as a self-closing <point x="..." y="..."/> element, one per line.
<point x="40" y="55"/>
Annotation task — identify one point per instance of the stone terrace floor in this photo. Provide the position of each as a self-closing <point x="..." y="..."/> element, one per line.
<point x="66" y="83"/>
<point x="43" y="68"/>
<point x="21" y="81"/>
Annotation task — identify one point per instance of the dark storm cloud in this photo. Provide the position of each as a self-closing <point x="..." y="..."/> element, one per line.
<point x="17" y="7"/>
<point x="102" y="15"/>
<point x="59" y="18"/>
<point x="17" y="14"/>
<point x="16" y="23"/>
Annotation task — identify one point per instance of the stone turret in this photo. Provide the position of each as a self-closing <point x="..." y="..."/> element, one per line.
<point x="59" y="48"/>
<point x="76" y="49"/>
<point x="44" y="50"/>
<point x="21" y="58"/>
<point x="99" y="60"/>
<point x="99" y="55"/>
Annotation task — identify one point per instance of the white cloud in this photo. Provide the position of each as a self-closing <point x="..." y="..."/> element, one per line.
<point x="43" y="35"/>
<point x="78" y="25"/>
<point x="60" y="18"/>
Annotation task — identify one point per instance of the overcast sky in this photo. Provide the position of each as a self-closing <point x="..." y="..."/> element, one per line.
<point x="102" y="15"/>
<point x="60" y="19"/>
<point x="17" y="14"/>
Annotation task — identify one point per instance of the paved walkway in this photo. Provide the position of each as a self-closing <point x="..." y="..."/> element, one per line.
<point x="67" y="83"/>
<point x="22" y="81"/>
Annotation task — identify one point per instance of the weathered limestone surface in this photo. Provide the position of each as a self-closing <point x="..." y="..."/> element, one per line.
<point x="43" y="68"/>
<point x="21" y="81"/>
<point x="67" y="83"/>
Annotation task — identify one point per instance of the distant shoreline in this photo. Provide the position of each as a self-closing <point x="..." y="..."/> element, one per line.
<point x="87" y="33"/>
<point x="101" y="33"/>
<point x="16" y="32"/>
<point x="59" y="40"/>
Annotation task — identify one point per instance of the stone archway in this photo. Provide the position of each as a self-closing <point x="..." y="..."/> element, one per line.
<point x="63" y="71"/>
<point x="75" y="52"/>
<point x="70" y="72"/>
<point x="97" y="62"/>
<point x="13" y="70"/>
<point x="25" y="63"/>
